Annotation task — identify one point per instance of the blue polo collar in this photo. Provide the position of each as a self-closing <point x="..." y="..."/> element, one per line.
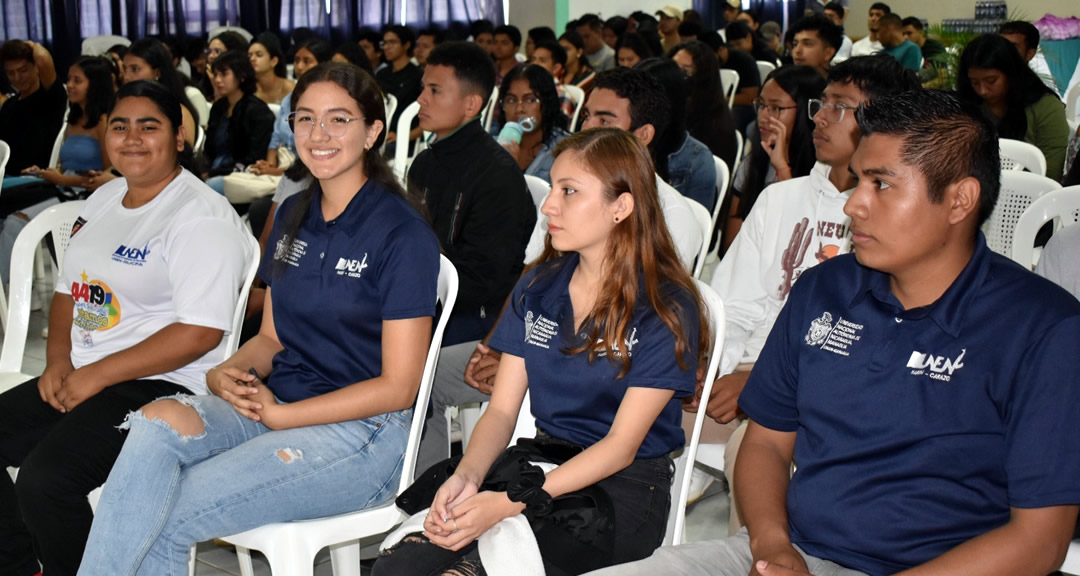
<point x="354" y="214"/>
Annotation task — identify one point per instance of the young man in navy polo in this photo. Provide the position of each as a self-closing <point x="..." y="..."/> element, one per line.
<point x="925" y="386"/>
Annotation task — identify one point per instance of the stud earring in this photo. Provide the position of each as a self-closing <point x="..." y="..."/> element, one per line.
<point x="616" y="219"/>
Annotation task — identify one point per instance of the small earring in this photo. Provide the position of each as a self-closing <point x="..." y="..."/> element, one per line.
<point x="616" y="219"/>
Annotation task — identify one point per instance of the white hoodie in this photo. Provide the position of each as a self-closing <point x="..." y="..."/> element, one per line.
<point x="795" y="224"/>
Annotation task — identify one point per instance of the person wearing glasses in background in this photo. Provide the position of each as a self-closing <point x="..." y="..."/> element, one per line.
<point x="400" y="77"/>
<point x="794" y="225"/>
<point x="528" y="97"/>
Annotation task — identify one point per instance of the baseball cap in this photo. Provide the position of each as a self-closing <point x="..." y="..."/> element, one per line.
<point x="671" y="12"/>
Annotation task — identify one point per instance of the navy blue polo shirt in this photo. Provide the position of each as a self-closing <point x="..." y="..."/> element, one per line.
<point x="918" y="429"/>
<point x="336" y="282"/>
<point x="574" y="399"/>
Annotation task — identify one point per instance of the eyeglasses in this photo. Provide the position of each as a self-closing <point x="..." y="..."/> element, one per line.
<point x="834" y="111"/>
<point x="385" y="43"/>
<point x="774" y="111"/>
<point x="511" y="101"/>
<point x="334" y="124"/>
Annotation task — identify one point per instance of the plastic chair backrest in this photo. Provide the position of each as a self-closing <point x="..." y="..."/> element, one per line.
<point x="54" y="157"/>
<point x="401" y="145"/>
<point x="578" y="96"/>
<point x="275" y="108"/>
<point x="1017" y="155"/>
<point x="390" y="104"/>
<point x="1061" y="206"/>
<point x="233" y="339"/>
<point x="704" y="222"/>
<point x="538" y="188"/>
<point x="5" y="153"/>
<point x="740" y="151"/>
<point x="447" y="293"/>
<point x="489" y="110"/>
<point x="764" y="69"/>
<point x="99" y="45"/>
<point x="56" y="220"/>
<point x="1072" y="101"/>
<point x="729" y="80"/>
<point x="723" y="182"/>
<point x="676" y="525"/>
<point x="200" y="139"/>
<point x="1018" y="191"/>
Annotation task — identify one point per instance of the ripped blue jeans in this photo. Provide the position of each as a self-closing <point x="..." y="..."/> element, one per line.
<point x="167" y="491"/>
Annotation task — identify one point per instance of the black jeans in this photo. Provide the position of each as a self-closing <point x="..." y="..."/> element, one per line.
<point x="61" y="458"/>
<point x="641" y="498"/>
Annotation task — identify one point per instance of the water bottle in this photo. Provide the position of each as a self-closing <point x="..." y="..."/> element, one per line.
<point x="512" y="131"/>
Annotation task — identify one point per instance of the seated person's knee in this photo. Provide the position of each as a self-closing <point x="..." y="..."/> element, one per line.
<point x="179" y="416"/>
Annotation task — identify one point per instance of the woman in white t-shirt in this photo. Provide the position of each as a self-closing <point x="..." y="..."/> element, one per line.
<point x="147" y="291"/>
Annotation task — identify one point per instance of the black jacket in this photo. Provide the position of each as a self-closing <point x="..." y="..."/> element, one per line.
<point x="250" y="129"/>
<point x="481" y="210"/>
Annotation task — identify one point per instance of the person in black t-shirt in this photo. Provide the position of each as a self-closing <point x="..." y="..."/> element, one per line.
<point x="400" y="76"/>
<point x="30" y="121"/>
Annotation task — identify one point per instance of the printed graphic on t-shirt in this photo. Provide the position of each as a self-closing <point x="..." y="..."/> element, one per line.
<point x="935" y="367"/>
<point x="540" y="331"/>
<point x="290" y="252"/>
<point x="831" y="236"/>
<point x="131" y="255"/>
<point x="351" y="267"/>
<point x="837" y="337"/>
<point x="96" y="306"/>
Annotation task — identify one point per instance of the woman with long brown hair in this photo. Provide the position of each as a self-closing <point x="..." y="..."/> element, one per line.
<point x="603" y="331"/>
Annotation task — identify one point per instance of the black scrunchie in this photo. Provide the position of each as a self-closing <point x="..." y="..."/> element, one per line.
<point x="527" y="486"/>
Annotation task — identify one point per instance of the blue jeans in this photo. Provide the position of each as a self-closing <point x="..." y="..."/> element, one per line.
<point x="167" y="491"/>
<point x="217" y="183"/>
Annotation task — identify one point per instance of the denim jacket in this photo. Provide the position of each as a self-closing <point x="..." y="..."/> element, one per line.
<point x="692" y="172"/>
<point x="541" y="165"/>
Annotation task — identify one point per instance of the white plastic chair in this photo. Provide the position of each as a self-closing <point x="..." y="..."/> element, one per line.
<point x="5" y="153"/>
<point x="764" y="69"/>
<point x="275" y="108"/>
<point x="1018" y="191"/>
<point x="200" y="140"/>
<point x="705" y="223"/>
<point x="1072" y="559"/>
<point x="56" y="220"/>
<point x="290" y="547"/>
<point x="578" y="96"/>
<point x="723" y="180"/>
<point x="676" y="526"/>
<point x="1017" y="155"/>
<point x="489" y="110"/>
<point x="99" y="45"/>
<point x="54" y="157"/>
<point x="729" y="80"/>
<point x="401" y="145"/>
<point x="390" y="104"/>
<point x="740" y="151"/>
<point x="1072" y="103"/>
<point x="538" y="188"/>
<point x="1061" y="206"/>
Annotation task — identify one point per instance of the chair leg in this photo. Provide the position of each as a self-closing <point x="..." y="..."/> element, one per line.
<point x="3" y="308"/>
<point x="345" y="558"/>
<point x="244" y="556"/>
<point x="191" y="560"/>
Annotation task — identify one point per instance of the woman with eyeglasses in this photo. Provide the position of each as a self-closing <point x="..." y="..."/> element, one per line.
<point x="309" y="418"/>
<point x="528" y="97"/>
<point x="218" y="45"/>
<point x="783" y="147"/>
<point x="241" y="125"/>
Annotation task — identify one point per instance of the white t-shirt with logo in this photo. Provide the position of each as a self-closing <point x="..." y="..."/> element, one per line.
<point x="181" y="258"/>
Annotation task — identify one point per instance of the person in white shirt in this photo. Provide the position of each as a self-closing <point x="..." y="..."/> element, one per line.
<point x="794" y="225"/>
<point x="146" y="294"/>
<point x="869" y="44"/>
<point x="836" y="12"/>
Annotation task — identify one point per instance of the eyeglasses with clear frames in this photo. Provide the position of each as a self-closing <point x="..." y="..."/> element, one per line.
<point x="335" y="124"/>
<point x="510" y="101"/>
<point x="834" y="111"/>
<point x="774" y="111"/>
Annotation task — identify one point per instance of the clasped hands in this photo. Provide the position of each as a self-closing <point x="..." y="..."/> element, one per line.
<point x="460" y="513"/>
<point x="248" y="395"/>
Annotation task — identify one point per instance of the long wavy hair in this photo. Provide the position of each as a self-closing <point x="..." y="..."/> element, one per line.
<point x="803" y="84"/>
<point x="363" y="89"/>
<point x="540" y="82"/>
<point x="99" y="91"/>
<point x="993" y="51"/>
<point x="708" y="116"/>
<point x="639" y="249"/>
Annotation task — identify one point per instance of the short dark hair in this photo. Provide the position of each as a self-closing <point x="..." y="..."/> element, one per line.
<point x="618" y="25"/>
<point x="829" y="33"/>
<point x="881" y="6"/>
<point x="965" y="142"/>
<point x="890" y="20"/>
<point x="404" y="34"/>
<point x="591" y="20"/>
<point x="574" y="38"/>
<point x="836" y="8"/>
<point x="690" y="28"/>
<point x="321" y="50"/>
<point x="1029" y="31"/>
<point x="16" y="50"/>
<point x="270" y="41"/>
<point x="738" y="30"/>
<point x="232" y="40"/>
<point x="636" y="43"/>
<point x="472" y="66"/>
<point x="912" y="21"/>
<point x="353" y="53"/>
<point x="875" y="76"/>
<point x="648" y="99"/>
<point x="510" y="31"/>
<point x="238" y="62"/>
<point x="371" y="36"/>
<point x="558" y="53"/>
<point x="437" y="34"/>
<point x="541" y="34"/>
<point x="482" y="26"/>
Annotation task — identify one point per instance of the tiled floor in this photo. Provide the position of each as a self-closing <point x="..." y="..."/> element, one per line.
<point x="706" y="519"/>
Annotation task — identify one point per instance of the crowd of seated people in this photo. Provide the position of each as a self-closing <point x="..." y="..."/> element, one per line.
<point x="159" y="138"/>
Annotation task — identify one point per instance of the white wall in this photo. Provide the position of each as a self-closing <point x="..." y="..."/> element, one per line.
<point x="527" y="14"/>
<point x="934" y="11"/>
<point x="608" y="8"/>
